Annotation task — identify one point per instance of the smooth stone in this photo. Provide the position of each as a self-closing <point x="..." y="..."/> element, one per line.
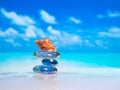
<point x="44" y="69"/>
<point x="49" y="62"/>
<point x="46" y="54"/>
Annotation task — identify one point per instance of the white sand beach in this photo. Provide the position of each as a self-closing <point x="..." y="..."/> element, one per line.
<point x="59" y="82"/>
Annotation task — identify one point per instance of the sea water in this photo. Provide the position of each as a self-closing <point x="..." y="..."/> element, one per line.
<point x="15" y="64"/>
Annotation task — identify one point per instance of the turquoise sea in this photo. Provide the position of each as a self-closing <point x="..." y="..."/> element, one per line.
<point x="15" y="64"/>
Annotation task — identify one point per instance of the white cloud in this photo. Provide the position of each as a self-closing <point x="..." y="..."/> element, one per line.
<point x="63" y="38"/>
<point x="75" y="39"/>
<point x="113" y="14"/>
<point x="17" y="19"/>
<point x="70" y="39"/>
<point x="9" y="32"/>
<point x="112" y="32"/>
<point x="10" y="40"/>
<point x="32" y="32"/>
<point x="9" y="35"/>
<point x="40" y="33"/>
<point x="53" y="31"/>
<point x="47" y="17"/>
<point x="101" y="43"/>
<point x="76" y="21"/>
<point x="109" y="14"/>
<point x="88" y="43"/>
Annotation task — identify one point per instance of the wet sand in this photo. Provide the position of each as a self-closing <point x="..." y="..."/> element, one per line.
<point x="60" y="82"/>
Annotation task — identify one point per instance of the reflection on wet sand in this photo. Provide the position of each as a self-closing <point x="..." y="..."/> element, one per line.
<point x="47" y="82"/>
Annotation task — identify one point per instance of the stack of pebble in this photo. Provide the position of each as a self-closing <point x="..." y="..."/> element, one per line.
<point x="48" y="54"/>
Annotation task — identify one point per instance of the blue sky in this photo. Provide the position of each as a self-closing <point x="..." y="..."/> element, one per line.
<point x="86" y="26"/>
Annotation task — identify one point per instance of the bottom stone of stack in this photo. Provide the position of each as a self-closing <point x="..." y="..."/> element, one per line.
<point x="45" y="69"/>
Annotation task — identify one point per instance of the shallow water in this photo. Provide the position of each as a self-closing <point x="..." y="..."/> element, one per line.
<point x="15" y="64"/>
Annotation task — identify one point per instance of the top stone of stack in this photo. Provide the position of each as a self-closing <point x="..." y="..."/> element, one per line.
<point x="46" y="44"/>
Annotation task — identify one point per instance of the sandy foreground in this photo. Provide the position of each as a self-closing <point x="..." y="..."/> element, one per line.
<point x="59" y="82"/>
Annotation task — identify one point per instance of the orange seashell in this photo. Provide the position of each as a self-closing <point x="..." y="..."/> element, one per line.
<point x="45" y="44"/>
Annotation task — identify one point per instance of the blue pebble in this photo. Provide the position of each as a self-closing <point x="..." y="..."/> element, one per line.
<point x="44" y="69"/>
<point x="49" y="62"/>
